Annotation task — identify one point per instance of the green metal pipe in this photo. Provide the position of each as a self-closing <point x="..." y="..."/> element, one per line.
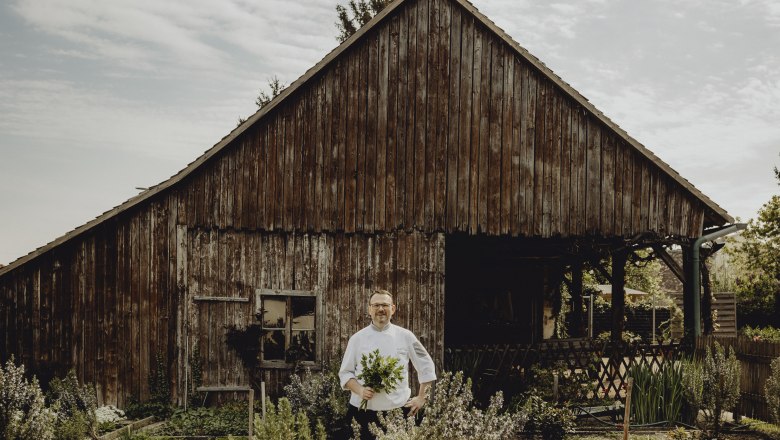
<point x="696" y="272"/>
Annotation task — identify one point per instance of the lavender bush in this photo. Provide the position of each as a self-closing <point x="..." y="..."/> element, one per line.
<point x="451" y="415"/>
<point x="712" y="386"/>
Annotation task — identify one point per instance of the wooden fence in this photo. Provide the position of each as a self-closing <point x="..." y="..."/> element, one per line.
<point x="496" y="367"/>
<point x="755" y="358"/>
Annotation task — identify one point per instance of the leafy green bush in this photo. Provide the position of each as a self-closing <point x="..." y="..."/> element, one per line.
<point x="282" y="424"/>
<point x="23" y="412"/>
<point x="772" y="391"/>
<point x="679" y="433"/>
<point x="159" y="403"/>
<point x="549" y="421"/>
<point x="769" y="334"/>
<point x="75" y="405"/>
<point x="712" y="386"/>
<point x="229" y="419"/>
<point x="451" y="415"/>
<point x="628" y="337"/>
<point x="573" y="386"/>
<point x="320" y="397"/>
<point x="657" y="396"/>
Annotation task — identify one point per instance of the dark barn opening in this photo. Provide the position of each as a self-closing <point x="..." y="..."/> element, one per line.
<point x="494" y="291"/>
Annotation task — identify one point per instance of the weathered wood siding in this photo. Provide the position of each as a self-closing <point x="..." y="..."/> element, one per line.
<point x="104" y="304"/>
<point x="429" y="124"/>
<point x="109" y="303"/>
<point x="434" y="123"/>
<point x="342" y="267"/>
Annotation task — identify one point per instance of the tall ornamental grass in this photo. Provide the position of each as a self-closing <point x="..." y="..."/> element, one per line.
<point x="657" y="396"/>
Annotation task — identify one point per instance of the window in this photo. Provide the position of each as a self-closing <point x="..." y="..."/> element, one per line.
<point x="289" y="320"/>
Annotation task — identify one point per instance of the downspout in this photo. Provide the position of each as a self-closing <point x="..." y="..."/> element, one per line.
<point x="696" y="273"/>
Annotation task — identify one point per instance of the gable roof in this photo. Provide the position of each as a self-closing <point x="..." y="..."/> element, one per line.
<point x="715" y="213"/>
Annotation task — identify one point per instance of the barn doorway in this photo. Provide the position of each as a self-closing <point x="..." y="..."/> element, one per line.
<point x="494" y="291"/>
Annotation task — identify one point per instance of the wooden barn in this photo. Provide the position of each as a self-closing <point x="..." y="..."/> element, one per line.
<point x="429" y="155"/>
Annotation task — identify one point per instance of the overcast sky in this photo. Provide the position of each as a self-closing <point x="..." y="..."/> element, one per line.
<point x="99" y="97"/>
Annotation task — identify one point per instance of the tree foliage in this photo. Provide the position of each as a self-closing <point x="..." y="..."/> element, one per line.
<point x="642" y="273"/>
<point x="756" y="255"/>
<point x="275" y="87"/>
<point x="355" y="15"/>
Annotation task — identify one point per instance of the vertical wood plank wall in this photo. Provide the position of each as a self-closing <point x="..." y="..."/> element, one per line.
<point x="343" y="267"/>
<point x="434" y="123"/>
<point x="112" y="316"/>
<point x="429" y="125"/>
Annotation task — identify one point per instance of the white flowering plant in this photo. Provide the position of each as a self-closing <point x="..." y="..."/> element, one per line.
<point x="380" y="373"/>
<point x="109" y="414"/>
<point x="23" y="411"/>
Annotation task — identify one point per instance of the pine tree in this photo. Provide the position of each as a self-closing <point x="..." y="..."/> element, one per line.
<point x="359" y="13"/>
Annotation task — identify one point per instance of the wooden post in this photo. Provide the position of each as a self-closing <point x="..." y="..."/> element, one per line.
<point x="577" y="323"/>
<point x="251" y="411"/>
<point x="619" y="258"/>
<point x="627" y="413"/>
<point x="262" y="396"/>
<point x="689" y="297"/>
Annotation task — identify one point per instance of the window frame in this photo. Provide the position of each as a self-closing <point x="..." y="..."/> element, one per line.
<point x="318" y="325"/>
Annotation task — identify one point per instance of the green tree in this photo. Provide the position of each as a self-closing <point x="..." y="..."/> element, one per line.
<point x="643" y="272"/>
<point x="275" y="87"/>
<point x="756" y="255"/>
<point x="359" y="13"/>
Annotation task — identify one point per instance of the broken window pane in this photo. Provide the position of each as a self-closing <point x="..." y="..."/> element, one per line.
<point x="274" y="313"/>
<point x="273" y="345"/>
<point x="301" y="346"/>
<point x="303" y="312"/>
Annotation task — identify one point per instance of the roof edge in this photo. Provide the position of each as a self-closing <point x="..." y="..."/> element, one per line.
<point x="211" y="152"/>
<point x="577" y="96"/>
<point x="314" y="70"/>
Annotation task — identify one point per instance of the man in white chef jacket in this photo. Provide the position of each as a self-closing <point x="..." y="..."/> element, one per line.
<point x="390" y="340"/>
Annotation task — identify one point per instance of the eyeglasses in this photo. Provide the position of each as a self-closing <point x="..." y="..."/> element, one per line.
<point x="381" y="306"/>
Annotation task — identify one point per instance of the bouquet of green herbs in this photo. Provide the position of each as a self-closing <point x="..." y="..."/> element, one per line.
<point x="380" y="373"/>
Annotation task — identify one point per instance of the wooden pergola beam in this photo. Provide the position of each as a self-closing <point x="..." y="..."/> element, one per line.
<point x="670" y="262"/>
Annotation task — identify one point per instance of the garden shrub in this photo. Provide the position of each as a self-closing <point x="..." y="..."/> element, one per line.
<point x="573" y="386"/>
<point x="229" y="419"/>
<point x="23" y="412"/>
<point x="627" y="337"/>
<point x="547" y="420"/>
<point x="657" y="396"/>
<point x="282" y="424"/>
<point x="75" y="406"/>
<point x="159" y="403"/>
<point x="320" y="397"/>
<point x="679" y="433"/>
<point x="712" y="386"/>
<point x="772" y="391"/>
<point x="108" y="418"/>
<point x="452" y="415"/>
<point x="768" y="334"/>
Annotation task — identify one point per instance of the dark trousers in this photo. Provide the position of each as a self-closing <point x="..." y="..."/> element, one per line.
<point x="366" y="417"/>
